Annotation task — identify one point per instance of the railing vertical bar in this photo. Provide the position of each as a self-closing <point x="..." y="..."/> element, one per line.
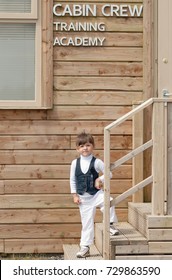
<point x="165" y="152"/>
<point x="158" y="159"/>
<point x="106" y="213"/>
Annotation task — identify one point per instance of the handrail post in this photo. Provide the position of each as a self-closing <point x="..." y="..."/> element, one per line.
<point x="137" y="161"/>
<point x="158" y="159"/>
<point x="106" y="212"/>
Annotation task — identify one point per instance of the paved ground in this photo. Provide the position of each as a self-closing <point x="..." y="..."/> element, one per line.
<point x="31" y="257"/>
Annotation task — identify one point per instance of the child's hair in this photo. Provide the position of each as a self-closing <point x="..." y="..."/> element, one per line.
<point x="84" y="138"/>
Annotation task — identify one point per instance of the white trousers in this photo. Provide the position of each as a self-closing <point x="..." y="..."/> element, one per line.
<point x="87" y="208"/>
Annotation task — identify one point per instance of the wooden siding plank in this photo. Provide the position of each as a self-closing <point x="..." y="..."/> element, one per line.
<point x="97" y="83"/>
<point x="52" y="186"/>
<point x="108" y="54"/>
<point x="123" y="69"/>
<point x="50" y="172"/>
<point x="34" y="171"/>
<point x="57" y="142"/>
<point x="23" y="115"/>
<point x="42" y="230"/>
<point x="43" y="201"/>
<point x="117" y="142"/>
<point x="96" y="97"/>
<point x="112" y="39"/>
<point x="87" y="112"/>
<point x="63" y="127"/>
<point x="32" y="186"/>
<point x="37" y="216"/>
<point x="50" y="157"/>
<point x="113" y="24"/>
<point x="37" y="246"/>
<point x="40" y="142"/>
<point x="99" y="7"/>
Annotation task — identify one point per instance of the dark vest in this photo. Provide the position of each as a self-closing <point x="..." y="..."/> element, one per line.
<point x="85" y="182"/>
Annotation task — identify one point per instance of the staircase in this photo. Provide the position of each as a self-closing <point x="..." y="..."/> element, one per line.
<point x="143" y="237"/>
<point x="148" y="232"/>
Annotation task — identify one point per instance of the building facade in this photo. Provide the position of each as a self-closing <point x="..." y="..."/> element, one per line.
<point x="67" y="67"/>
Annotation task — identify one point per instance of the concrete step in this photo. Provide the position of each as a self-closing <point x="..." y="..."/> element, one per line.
<point x="70" y="251"/>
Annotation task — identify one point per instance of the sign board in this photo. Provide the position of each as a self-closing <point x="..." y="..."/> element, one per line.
<point x="87" y="11"/>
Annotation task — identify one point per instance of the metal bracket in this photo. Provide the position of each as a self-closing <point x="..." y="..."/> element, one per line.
<point x="166" y="93"/>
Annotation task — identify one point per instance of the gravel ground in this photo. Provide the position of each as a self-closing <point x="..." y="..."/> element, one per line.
<point x="31" y="257"/>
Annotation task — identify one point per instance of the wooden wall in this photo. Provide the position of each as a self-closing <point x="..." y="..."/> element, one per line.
<point x="92" y="87"/>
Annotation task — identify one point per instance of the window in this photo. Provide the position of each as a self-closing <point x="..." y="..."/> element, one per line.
<point x="26" y="54"/>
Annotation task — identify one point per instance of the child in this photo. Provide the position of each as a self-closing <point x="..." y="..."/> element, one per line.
<point x="86" y="185"/>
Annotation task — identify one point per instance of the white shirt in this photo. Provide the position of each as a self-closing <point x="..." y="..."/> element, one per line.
<point x="85" y="163"/>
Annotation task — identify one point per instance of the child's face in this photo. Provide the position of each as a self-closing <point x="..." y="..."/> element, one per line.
<point x="85" y="149"/>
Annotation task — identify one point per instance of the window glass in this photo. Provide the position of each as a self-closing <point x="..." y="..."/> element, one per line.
<point x="17" y="60"/>
<point x="13" y="6"/>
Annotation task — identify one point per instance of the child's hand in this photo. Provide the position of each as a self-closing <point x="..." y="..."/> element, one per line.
<point x="98" y="184"/>
<point x="76" y="199"/>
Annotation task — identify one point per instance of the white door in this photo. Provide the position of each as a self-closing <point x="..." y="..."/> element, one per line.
<point x="165" y="81"/>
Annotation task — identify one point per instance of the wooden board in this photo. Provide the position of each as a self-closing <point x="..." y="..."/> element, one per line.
<point x="50" y="172"/>
<point x="160" y="247"/>
<point x="113" y="24"/>
<point x="44" y="215"/>
<point x="87" y="112"/>
<point x="43" y="201"/>
<point x="50" y="157"/>
<point x="64" y="127"/>
<point x="131" y="249"/>
<point x="97" y="83"/>
<point x="123" y="39"/>
<point x="159" y="221"/>
<point x="99" y="7"/>
<point x="37" y="246"/>
<point x="159" y="234"/>
<point x="98" y="69"/>
<point x="52" y="186"/>
<point x="95" y="54"/>
<point x="42" y="230"/>
<point x="96" y="97"/>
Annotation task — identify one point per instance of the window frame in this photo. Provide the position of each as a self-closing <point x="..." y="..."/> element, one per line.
<point x="41" y="14"/>
<point x="32" y="15"/>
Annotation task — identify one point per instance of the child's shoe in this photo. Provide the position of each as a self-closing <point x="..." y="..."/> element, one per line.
<point x="84" y="252"/>
<point x="113" y="230"/>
